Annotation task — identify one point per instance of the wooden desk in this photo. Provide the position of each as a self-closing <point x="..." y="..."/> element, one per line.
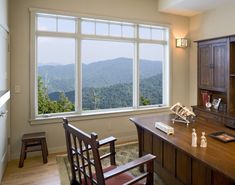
<point x="178" y="163"/>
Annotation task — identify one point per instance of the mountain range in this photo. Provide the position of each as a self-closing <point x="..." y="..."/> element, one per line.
<point x="99" y="74"/>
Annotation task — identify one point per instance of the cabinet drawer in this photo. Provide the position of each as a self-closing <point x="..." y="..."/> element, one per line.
<point x="207" y="116"/>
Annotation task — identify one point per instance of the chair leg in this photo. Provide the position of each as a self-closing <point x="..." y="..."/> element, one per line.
<point x="150" y="179"/>
<point x="22" y="155"/>
<point x="44" y="151"/>
<point x="112" y="151"/>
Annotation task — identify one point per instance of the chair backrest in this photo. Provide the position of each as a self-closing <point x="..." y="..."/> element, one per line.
<point x="83" y="155"/>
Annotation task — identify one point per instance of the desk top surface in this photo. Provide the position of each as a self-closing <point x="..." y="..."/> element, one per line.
<point x="218" y="155"/>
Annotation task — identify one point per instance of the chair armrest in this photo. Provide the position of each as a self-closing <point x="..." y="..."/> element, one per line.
<point x="107" y="140"/>
<point x="126" y="167"/>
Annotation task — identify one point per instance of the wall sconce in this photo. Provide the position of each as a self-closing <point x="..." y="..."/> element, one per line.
<point x="182" y="43"/>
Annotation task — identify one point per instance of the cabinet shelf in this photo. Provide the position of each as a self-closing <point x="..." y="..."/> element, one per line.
<point x="232" y="75"/>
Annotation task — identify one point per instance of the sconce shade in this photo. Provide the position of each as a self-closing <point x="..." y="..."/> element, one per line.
<point x="182" y="43"/>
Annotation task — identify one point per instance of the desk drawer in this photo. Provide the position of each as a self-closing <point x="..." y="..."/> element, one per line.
<point x="207" y="116"/>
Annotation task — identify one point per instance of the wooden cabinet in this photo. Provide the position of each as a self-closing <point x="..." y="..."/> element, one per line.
<point x="216" y="74"/>
<point x="212" y="64"/>
<point x="204" y="59"/>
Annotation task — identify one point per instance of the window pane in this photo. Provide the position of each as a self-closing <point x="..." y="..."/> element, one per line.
<point x="157" y="34"/>
<point x="144" y="33"/>
<point x="115" y="30"/>
<point x="128" y="31"/>
<point x="151" y="61"/>
<point x="46" y="23"/>
<point x="66" y="25"/>
<point x="56" y="74"/>
<point x="88" y="27"/>
<point x="102" y="28"/>
<point x="106" y="74"/>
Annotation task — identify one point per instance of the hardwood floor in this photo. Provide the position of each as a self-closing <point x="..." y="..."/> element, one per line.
<point x="34" y="172"/>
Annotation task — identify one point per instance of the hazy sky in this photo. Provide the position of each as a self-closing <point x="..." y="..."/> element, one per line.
<point x="61" y="51"/>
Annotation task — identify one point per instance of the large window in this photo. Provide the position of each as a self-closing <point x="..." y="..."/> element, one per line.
<point x="92" y="65"/>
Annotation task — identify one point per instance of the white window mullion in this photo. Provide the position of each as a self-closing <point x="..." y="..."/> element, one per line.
<point x="136" y="72"/>
<point x="33" y="66"/>
<point x="166" y="71"/>
<point x="78" y="77"/>
<point x="56" y="24"/>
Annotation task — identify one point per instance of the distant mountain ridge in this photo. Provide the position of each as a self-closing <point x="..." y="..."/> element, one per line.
<point x="115" y="96"/>
<point x="98" y="74"/>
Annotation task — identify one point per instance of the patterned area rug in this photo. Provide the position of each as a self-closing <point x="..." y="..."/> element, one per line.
<point x="124" y="154"/>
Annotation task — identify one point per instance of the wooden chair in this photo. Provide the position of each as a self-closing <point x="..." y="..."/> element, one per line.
<point x="85" y="161"/>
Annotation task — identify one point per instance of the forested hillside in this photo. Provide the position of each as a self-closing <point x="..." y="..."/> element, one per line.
<point x="106" y="84"/>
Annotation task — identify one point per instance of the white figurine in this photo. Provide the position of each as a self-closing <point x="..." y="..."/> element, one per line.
<point x="194" y="138"/>
<point x="203" y="141"/>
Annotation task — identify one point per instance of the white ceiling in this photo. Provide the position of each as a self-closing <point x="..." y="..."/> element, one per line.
<point x="189" y="7"/>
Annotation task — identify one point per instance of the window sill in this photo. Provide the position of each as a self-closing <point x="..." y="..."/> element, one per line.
<point x="97" y="115"/>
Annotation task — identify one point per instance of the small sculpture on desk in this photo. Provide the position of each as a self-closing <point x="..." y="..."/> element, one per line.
<point x="194" y="138"/>
<point x="182" y="114"/>
<point x="203" y="141"/>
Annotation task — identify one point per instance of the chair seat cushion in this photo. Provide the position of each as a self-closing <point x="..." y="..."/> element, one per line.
<point x="118" y="179"/>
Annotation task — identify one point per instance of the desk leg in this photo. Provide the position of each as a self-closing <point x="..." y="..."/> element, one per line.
<point x="141" y="147"/>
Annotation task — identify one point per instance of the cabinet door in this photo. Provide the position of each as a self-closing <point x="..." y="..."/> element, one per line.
<point x="220" y="63"/>
<point x="205" y="64"/>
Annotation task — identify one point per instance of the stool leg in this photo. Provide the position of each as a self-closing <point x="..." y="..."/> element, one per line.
<point x="22" y="155"/>
<point x="44" y="151"/>
<point x="46" y="146"/>
<point x="25" y="154"/>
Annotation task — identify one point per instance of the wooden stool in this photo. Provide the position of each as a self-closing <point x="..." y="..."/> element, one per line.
<point x="33" y="142"/>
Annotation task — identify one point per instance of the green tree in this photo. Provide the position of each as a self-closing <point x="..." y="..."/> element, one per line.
<point x="64" y="104"/>
<point x="144" y="101"/>
<point x="46" y="105"/>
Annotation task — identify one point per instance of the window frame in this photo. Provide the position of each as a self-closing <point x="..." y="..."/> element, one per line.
<point x="78" y="72"/>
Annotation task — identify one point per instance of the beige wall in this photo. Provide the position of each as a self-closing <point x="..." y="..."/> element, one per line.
<point x="120" y="127"/>
<point x="4" y="84"/>
<point x="214" y="23"/>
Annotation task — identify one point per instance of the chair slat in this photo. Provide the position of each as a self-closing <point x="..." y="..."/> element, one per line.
<point x="77" y="160"/>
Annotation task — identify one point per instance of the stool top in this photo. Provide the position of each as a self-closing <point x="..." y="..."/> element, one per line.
<point x="35" y="135"/>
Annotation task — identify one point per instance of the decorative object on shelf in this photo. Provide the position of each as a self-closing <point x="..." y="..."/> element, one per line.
<point x="203" y="141"/>
<point x="222" y="107"/>
<point x="194" y="138"/>
<point x="208" y="105"/>
<point x="216" y="103"/>
<point x="182" y="42"/>
<point x="164" y="127"/>
<point x="182" y="114"/>
<point x="206" y="97"/>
